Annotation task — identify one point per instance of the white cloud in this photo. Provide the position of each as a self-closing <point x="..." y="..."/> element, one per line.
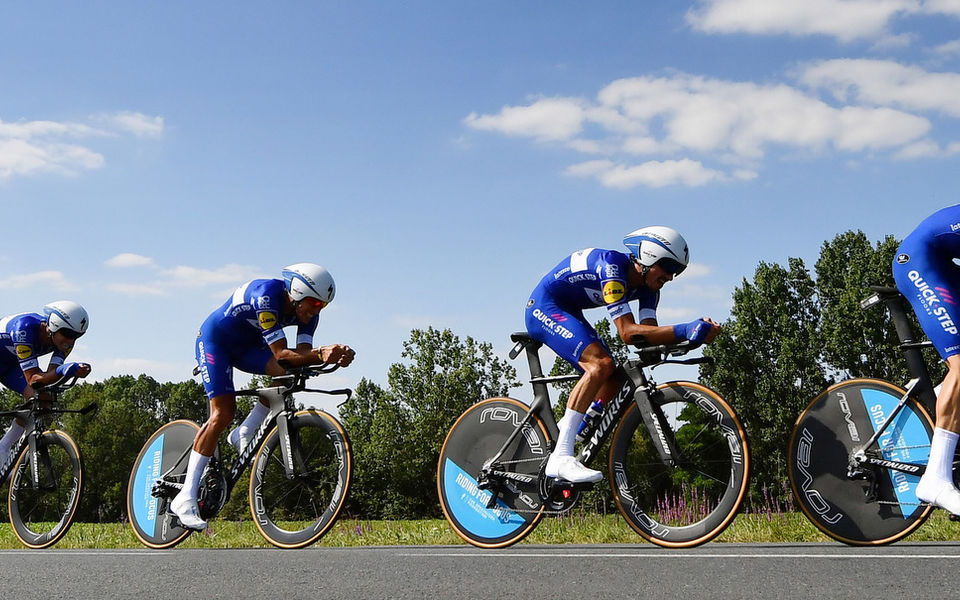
<point x="886" y="83"/>
<point x="128" y="259"/>
<point x="184" y="276"/>
<point x="545" y="119"/>
<point x="104" y="368"/>
<point x="136" y="289"/>
<point x="673" y="314"/>
<point x="138" y="124"/>
<point x="416" y="321"/>
<point x="948" y="49"/>
<point x="653" y="173"/>
<point x="163" y="281"/>
<point x="682" y="122"/>
<point x="34" y="147"/>
<point x="47" y="279"/>
<point x="845" y="20"/>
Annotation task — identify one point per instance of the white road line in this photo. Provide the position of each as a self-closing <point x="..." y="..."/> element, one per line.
<point x="670" y="555"/>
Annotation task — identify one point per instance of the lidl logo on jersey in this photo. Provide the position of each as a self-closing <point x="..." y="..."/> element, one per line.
<point x="612" y="292"/>
<point x="267" y="319"/>
<point x="24" y="352"/>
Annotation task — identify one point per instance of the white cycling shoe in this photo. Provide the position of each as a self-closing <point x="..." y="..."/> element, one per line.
<point x="569" y="468"/>
<point x="939" y="493"/>
<point x="188" y="512"/>
<point x="238" y="440"/>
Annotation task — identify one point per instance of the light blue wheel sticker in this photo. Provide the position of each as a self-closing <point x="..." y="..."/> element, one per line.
<point x="468" y="503"/>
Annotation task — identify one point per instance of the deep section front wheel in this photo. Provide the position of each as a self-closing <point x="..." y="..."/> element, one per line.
<point x="42" y="511"/>
<point x="293" y="510"/>
<point x="466" y="478"/>
<point x="165" y="456"/>
<point x="869" y="505"/>
<point x="688" y="499"/>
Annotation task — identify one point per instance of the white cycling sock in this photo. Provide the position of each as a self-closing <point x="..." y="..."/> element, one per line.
<point x="191" y="481"/>
<point x="257" y="414"/>
<point x="942" y="447"/>
<point x="12" y="435"/>
<point x="568" y="432"/>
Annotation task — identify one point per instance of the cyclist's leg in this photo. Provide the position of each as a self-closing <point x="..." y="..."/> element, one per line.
<point x="932" y="285"/>
<point x="216" y="371"/>
<point x="570" y="335"/>
<point x="12" y="378"/>
<point x="255" y="361"/>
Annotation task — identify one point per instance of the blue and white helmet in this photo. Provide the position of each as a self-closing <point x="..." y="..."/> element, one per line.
<point x="307" y="280"/>
<point x="66" y="315"/>
<point x="659" y="245"/>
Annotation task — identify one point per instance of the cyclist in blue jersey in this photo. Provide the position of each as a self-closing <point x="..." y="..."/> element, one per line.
<point x="928" y="277"/>
<point x="593" y="278"/>
<point x="24" y="338"/>
<point x="247" y="333"/>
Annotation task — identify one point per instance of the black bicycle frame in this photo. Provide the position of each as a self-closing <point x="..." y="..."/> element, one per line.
<point x="636" y="388"/>
<point x="34" y="427"/>
<point x="920" y="387"/>
<point x="282" y="408"/>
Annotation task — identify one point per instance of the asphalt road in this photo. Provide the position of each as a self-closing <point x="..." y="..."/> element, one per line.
<point x="596" y="571"/>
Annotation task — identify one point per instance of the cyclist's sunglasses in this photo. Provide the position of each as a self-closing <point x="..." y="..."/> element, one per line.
<point x="314" y="302"/>
<point x="69" y="333"/>
<point x="671" y="266"/>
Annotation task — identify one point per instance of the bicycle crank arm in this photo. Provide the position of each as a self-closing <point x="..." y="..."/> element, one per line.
<point x="165" y="489"/>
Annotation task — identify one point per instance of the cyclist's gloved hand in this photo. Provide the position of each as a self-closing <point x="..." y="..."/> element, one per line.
<point x="694" y="331"/>
<point x="68" y="369"/>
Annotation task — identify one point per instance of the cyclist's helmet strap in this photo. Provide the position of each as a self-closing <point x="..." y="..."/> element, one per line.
<point x="307" y="280"/>
<point x="657" y="244"/>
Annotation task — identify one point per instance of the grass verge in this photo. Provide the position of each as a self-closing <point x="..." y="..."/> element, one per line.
<point x="581" y="528"/>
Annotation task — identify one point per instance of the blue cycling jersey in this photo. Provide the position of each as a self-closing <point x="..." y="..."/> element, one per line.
<point x="21" y="348"/>
<point x="586" y="279"/>
<point x="929" y="278"/>
<point x="254" y="312"/>
<point x="239" y="332"/>
<point x="595" y="277"/>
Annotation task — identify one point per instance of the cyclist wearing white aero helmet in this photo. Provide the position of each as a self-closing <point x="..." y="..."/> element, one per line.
<point x="593" y="278"/>
<point x="246" y="332"/>
<point x="24" y="338"/>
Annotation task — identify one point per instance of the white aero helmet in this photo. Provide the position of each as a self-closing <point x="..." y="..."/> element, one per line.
<point x="656" y="244"/>
<point x="307" y="280"/>
<point x="66" y="316"/>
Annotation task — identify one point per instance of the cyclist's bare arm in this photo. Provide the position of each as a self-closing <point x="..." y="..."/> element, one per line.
<point x="648" y="328"/>
<point x="304" y="356"/>
<point x="656" y="334"/>
<point x="35" y="376"/>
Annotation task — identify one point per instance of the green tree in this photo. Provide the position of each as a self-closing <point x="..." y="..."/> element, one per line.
<point x="769" y="361"/>
<point x="398" y="432"/>
<point x="859" y="343"/>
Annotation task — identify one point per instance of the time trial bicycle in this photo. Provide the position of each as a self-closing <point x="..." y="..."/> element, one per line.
<point x="678" y="462"/>
<point x="858" y="450"/>
<point x="47" y="469"/>
<point x="302" y="468"/>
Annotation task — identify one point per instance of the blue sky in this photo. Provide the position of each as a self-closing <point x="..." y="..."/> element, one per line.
<point x="438" y="158"/>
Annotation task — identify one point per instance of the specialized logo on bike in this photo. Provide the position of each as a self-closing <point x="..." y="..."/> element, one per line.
<point x="613" y="292"/>
<point x="554" y="327"/>
<point x="933" y="302"/>
<point x="267" y="319"/>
